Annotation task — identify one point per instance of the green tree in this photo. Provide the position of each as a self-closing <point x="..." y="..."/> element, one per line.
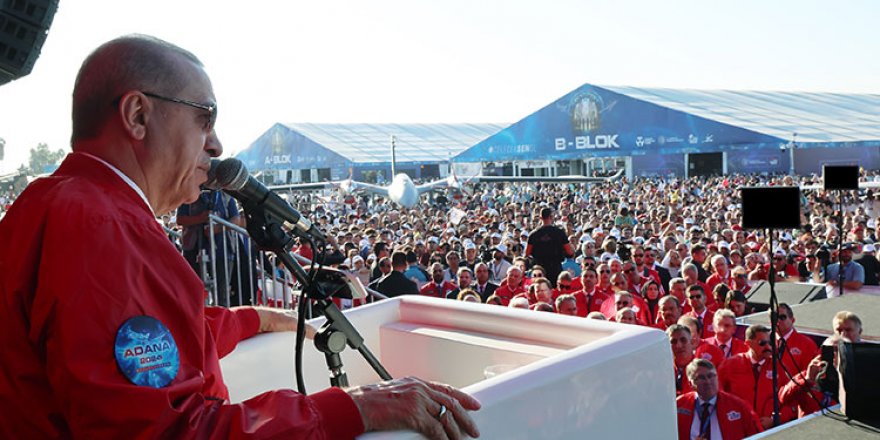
<point x="2" y="147"/>
<point x="44" y="160"/>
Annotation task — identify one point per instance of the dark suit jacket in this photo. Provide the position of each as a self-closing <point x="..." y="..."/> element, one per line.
<point x="395" y="284"/>
<point x="487" y="291"/>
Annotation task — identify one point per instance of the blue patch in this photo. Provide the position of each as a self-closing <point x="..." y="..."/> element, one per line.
<point x="146" y="352"/>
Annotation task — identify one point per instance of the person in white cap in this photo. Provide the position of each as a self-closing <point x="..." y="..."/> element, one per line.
<point x="499" y="265"/>
<point x="868" y="260"/>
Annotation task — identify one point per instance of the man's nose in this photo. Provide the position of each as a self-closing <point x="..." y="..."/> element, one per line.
<point x="213" y="145"/>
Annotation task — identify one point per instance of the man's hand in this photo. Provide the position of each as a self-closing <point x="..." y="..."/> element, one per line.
<point x="272" y="320"/>
<point x="816" y="367"/>
<point x="413" y="404"/>
<point x="766" y="422"/>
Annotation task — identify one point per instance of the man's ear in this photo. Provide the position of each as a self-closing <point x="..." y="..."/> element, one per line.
<point x="134" y="110"/>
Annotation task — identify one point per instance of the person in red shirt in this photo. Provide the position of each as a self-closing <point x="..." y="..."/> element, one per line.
<point x="749" y="375"/>
<point x="539" y="291"/>
<point x="438" y="287"/>
<point x="702" y="349"/>
<point x="689" y="272"/>
<point x="92" y="291"/>
<point x="670" y="312"/>
<point x="708" y="412"/>
<point x="589" y="299"/>
<point x="624" y="299"/>
<point x="804" y="392"/>
<point x="651" y="295"/>
<point x="697" y="300"/>
<point x="794" y="349"/>
<point x="678" y="289"/>
<point x="682" y="355"/>
<point x="721" y="273"/>
<point x="604" y="286"/>
<point x="566" y="304"/>
<point x="564" y="285"/>
<point x="724" y="322"/>
<point x="511" y="286"/>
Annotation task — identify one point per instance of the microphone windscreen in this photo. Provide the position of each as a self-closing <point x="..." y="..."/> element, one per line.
<point x="211" y="183"/>
<point x="231" y="174"/>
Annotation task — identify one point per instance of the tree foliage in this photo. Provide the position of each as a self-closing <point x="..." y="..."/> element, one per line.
<point x="2" y="147"/>
<point x="44" y="160"/>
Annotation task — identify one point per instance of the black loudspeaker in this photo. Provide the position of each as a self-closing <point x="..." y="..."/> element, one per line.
<point x="771" y="207"/>
<point x="859" y="381"/>
<point x="24" y="25"/>
<point x="789" y="293"/>
<point x="840" y="177"/>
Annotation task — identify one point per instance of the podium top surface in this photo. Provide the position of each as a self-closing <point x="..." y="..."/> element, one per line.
<point x="815" y="317"/>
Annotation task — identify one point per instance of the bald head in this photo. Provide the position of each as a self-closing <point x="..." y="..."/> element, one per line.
<point x="132" y="62"/>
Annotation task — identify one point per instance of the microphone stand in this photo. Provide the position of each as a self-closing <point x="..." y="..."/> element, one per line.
<point x="337" y="331"/>
<point x="840" y="233"/>
<point x="774" y="319"/>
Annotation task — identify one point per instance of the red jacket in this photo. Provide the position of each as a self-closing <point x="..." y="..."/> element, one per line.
<point x="732" y="347"/>
<point x="736" y="420"/>
<point x="710" y="353"/>
<point x="796" y="352"/>
<point x="708" y="319"/>
<point x="81" y="255"/>
<point x="591" y="303"/>
<point x="797" y="393"/>
<point x="609" y="309"/>
<point x="736" y="376"/>
<point x="506" y="293"/>
<point x="437" y="291"/>
<point x="682" y="384"/>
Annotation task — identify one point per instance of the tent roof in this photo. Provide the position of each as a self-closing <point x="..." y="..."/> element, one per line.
<point x="371" y="143"/>
<point x="815" y="117"/>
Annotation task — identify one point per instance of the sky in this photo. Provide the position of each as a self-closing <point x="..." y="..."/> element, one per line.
<point x="447" y="61"/>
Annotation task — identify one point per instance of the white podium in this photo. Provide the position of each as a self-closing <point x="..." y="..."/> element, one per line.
<point x="559" y="376"/>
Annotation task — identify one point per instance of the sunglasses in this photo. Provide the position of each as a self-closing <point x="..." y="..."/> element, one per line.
<point x="638" y="255"/>
<point x="622" y="303"/>
<point x="210" y="108"/>
<point x="782" y="317"/>
<point x="764" y="343"/>
<point x="604" y="271"/>
<point x="695" y="296"/>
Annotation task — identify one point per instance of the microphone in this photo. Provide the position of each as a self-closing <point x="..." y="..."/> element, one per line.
<point x="211" y="183"/>
<point x="232" y="177"/>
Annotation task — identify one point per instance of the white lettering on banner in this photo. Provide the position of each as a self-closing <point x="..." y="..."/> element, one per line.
<point x="278" y="159"/>
<point x="602" y="141"/>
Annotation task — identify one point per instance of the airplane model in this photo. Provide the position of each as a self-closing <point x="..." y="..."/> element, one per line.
<point x="404" y="192"/>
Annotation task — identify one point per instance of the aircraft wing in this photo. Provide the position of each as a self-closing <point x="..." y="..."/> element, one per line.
<point x="434" y="186"/>
<point x="819" y="186"/>
<point x="304" y="186"/>
<point x="347" y="186"/>
<point x="557" y="179"/>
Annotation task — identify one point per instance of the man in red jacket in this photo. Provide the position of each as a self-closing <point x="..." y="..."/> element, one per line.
<point x="682" y="355"/>
<point x="724" y="339"/>
<point x="708" y="412"/>
<point x="750" y="375"/>
<point x="104" y="330"/>
<point x="511" y="286"/>
<point x="697" y="300"/>
<point x="589" y="299"/>
<point x="794" y="349"/>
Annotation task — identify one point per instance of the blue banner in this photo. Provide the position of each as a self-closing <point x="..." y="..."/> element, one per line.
<point x="593" y="121"/>
<point x="280" y="148"/>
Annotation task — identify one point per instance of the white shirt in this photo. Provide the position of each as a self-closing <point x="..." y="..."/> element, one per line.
<point x="124" y="178"/>
<point x="714" y="427"/>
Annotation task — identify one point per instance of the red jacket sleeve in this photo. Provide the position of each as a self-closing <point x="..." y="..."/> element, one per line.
<point x="231" y="326"/>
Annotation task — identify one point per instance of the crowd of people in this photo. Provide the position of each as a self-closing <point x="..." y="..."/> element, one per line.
<point x="665" y="253"/>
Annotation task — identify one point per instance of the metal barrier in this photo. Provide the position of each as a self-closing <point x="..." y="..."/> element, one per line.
<point x="247" y="276"/>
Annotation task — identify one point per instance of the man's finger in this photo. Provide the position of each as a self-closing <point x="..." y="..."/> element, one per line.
<point x="459" y="417"/>
<point x="466" y="400"/>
